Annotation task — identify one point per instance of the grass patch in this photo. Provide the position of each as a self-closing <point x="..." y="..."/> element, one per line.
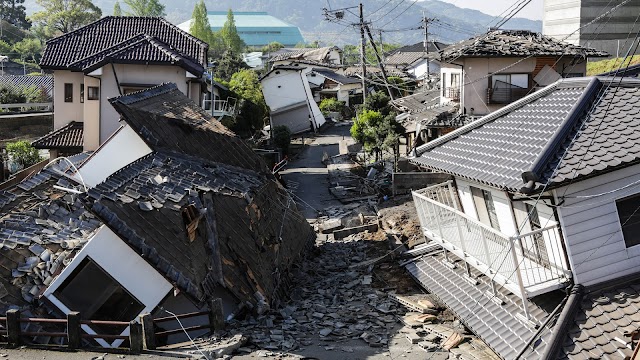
<point x="603" y="66"/>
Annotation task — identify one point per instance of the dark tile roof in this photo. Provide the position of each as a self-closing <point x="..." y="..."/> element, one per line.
<point x="340" y="79"/>
<point x="601" y="326"/>
<point x="525" y="141"/>
<point x="432" y="46"/>
<point x="143" y="204"/>
<point x="418" y="102"/>
<point x="514" y="43"/>
<point x="356" y="70"/>
<point x="630" y="71"/>
<point x="313" y="54"/>
<point x="404" y="58"/>
<point x="139" y="49"/>
<point x="169" y="121"/>
<point x="69" y="136"/>
<point x="497" y="325"/>
<point x="40" y="227"/>
<point x="110" y="31"/>
<point x="20" y="82"/>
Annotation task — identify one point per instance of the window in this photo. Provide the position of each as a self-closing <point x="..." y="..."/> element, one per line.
<point x="519" y="80"/>
<point x="539" y="248"/>
<point x="629" y="216"/>
<point x="93" y="93"/>
<point x="455" y="81"/>
<point x="81" y="93"/>
<point x="68" y="92"/>
<point x="444" y="84"/>
<point x="485" y="207"/>
<point x="97" y="296"/>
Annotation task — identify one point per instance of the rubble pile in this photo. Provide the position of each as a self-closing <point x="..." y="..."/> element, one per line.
<point x="349" y="182"/>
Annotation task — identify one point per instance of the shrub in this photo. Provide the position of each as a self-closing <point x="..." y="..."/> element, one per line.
<point x="23" y="154"/>
<point x="282" y="137"/>
<point x="331" y="105"/>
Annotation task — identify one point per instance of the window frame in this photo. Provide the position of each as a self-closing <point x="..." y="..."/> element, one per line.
<point x="82" y="93"/>
<point x="68" y="92"/>
<point x="486" y="198"/>
<point x="628" y="243"/>
<point x="91" y="96"/>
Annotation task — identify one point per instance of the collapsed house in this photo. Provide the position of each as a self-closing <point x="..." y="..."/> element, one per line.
<point x="176" y="212"/>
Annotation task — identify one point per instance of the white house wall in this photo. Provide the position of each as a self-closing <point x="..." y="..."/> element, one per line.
<point x="123" y="148"/>
<point x="113" y="255"/>
<point x="91" y="115"/>
<point x="64" y="112"/>
<point x="133" y="74"/>
<point x="592" y="229"/>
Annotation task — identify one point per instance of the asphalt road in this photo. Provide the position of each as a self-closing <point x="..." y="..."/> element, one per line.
<point x="307" y="175"/>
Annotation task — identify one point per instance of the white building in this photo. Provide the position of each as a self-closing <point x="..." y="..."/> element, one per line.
<point x="543" y="196"/>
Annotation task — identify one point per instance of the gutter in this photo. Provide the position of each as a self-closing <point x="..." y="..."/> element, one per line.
<point x="562" y="324"/>
<point x="534" y="173"/>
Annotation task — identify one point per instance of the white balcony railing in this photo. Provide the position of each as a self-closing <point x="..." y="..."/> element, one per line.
<point x="221" y="107"/>
<point x="527" y="265"/>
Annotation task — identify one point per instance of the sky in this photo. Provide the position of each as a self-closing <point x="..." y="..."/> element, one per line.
<point x="496" y="7"/>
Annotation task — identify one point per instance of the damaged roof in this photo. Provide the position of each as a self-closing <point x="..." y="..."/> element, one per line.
<point x="320" y="55"/>
<point x="41" y="227"/>
<point x="546" y="137"/>
<point x="169" y="121"/>
<point x="113" y="33"/>
<point x="70" y="136"/>
<point x="335" y="77"/>
<point x="418" y="102"/>
<point x="203" y="218"/>
<point x="514" y="43"/>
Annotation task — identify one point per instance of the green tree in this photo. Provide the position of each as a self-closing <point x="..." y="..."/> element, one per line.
<point x="144" y="8"/>
<point x="13" y="11"/>
<point x="29" y="48"/>
<point x="253" y="110"/>
<point x="230" y="35"/>
<point x="200" y="26"/>
<point x="8" y="96"/>
<point x="117" y="11"/>
<point x="228" y="65"/>
<point x="272" y="46"/>
<point x="62" y="16"/>
<point x="376" y="132"/>
<point x="5" y="48"/>
<point x="23" y="153"/>
<point x="379" y="102"/>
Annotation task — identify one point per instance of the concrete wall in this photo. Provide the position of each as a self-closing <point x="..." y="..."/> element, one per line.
<point x="91" y="116"/>
<point x="133" y="74"/>
<point x="64" y="112"/>
<point x="120" y="261"/>
<point x="564" y="18"/>
<point x="592" y="228"/>
<point x="123" y="148"/>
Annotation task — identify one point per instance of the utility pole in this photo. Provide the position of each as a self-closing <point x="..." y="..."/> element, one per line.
<point x="426" y="22"/>
<point x="381" y="44"/>
<point x="384" y="73"/>
<point x="362" y="55"/>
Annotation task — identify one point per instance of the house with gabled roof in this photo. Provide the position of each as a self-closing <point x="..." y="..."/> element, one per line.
<point x="414" y="60"/>
<point x="330" y="84"/>
<point x="111" y="57"/>
<point x="194" y="223"/>
<point x="492" y="70"/>
<point x="543" y="199"/>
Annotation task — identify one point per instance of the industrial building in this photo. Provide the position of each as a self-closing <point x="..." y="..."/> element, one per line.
<point x="567" y="20"/>
<point x="255" y="28"/>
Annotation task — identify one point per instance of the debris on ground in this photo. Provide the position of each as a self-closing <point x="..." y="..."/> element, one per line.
<point x="351" y="293"/>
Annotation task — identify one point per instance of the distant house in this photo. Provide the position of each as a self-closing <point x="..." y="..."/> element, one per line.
<point x="492" y="70"/>
<point x="414" y="60"/>
<point x="111" y="57"/>
<point x="288" y="94"/>
<point x="38" y="84"/>
<point x="155" y="221"/>
<point x="330" y="84"/>
<point x="543" y="198"/>
<point x="255" y="28"/>
<point x="330" y="55"/>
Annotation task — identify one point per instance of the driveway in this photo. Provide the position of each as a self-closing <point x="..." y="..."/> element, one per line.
<point x="307" y="176"/>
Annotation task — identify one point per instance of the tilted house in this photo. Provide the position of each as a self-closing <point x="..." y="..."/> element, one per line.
<point x="492" y="70"/>
<point x="111" y="57"/>
<point x="544" y="196"/>
<point x="156" y="219"/>
<point x="288" y="94"/>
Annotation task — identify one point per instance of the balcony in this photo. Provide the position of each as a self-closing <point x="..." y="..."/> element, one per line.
<point x="527" y="265"/>
<point x="452" y="93"/>
<point x="221" y="107"/>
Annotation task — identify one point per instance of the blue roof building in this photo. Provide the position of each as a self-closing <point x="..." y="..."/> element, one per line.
<point x="255" y="28"/>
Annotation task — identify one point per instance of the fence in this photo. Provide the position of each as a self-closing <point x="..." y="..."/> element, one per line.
<point x="142" y="335"/>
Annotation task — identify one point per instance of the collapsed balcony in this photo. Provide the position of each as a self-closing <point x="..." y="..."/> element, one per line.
<point x="527" y="265"/>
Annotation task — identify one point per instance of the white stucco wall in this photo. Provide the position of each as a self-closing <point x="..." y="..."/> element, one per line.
<point x="91" y="116"/>
<point x="133" y="74"/>
<point x="121" y="149"/>
<point x="64" y="112"/>
<point x="120" y="261"/>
